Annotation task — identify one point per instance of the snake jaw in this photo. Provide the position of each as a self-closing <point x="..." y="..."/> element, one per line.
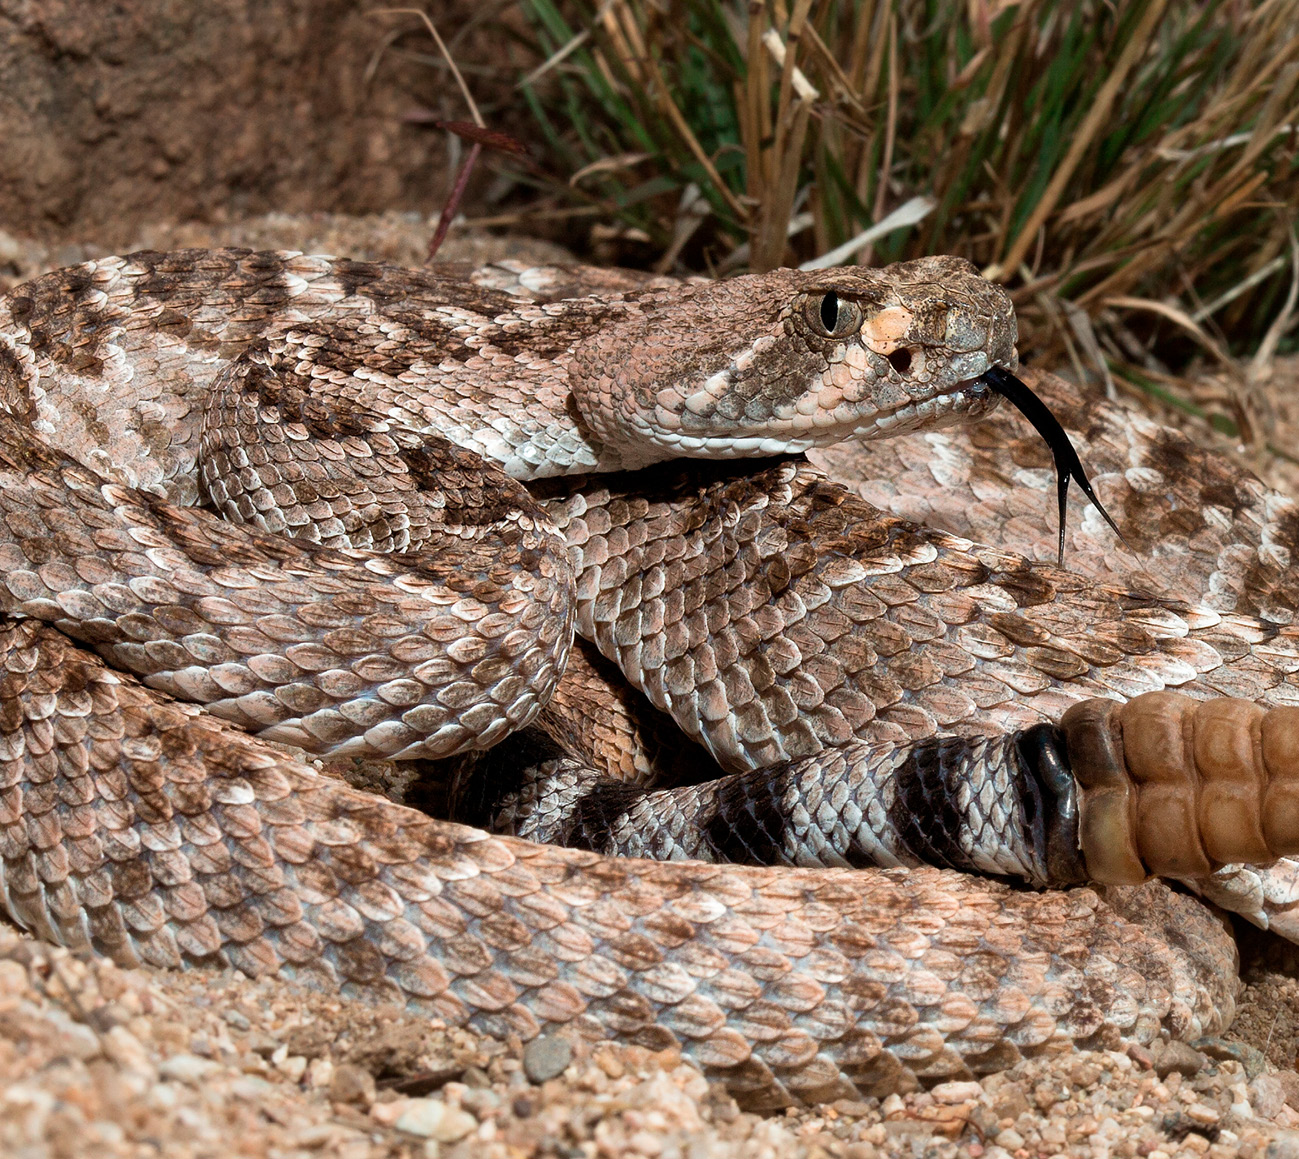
<point x="793" y="430"/>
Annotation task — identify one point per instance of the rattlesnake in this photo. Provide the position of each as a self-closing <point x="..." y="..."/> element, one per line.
<point x="141" y="826"/>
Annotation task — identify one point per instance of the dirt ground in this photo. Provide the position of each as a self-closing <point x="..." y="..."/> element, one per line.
<point x="117" y="115"/>
<point x="99" y="1060"/>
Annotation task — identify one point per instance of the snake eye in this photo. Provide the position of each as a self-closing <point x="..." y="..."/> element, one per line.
<point x="832" y="316"/>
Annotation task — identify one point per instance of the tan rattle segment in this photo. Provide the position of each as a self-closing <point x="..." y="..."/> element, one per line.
<point x="1175" y="787"/>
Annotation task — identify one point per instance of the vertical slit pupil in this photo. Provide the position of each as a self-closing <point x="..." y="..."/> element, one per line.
<point x="830" y="311"/>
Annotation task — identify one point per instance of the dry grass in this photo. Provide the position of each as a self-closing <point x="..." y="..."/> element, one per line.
<point x="1129" y="169"/>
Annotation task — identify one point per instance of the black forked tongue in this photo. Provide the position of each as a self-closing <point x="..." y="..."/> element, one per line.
<point x="1067" y="464"/>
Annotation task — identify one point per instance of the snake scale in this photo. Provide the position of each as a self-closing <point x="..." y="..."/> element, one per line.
<point x="378" y="589"/>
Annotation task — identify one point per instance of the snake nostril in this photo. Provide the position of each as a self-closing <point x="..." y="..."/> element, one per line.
<point x="900" y="360"/>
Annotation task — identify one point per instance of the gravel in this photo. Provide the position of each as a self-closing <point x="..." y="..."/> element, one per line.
<point x="95" y="1059"/>
<point x="546" y="1057"/>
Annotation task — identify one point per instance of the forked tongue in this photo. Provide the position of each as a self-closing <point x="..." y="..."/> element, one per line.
<point x="1067" y="464"/>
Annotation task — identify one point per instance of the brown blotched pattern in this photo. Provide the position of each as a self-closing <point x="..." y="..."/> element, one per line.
<point x="771" y="612"/>
<point x="775" y="614"/>
<point x="167" y="838"/>
<point x="1201" y="529"/>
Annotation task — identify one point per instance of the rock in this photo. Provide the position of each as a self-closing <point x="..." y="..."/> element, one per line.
<point x="1141" y="1055"/>
<point x="292" y="1066"/>
<point x="893" y="1106"/>
<point x="1046" y="1095"/>
<point x="13" y="979"/>
<point x="546" y="1057"/>
<point x="956" y="1092"/>
<point x="187" y="1068"/>
<point x="433" y="1119"/>
<point x="74" y="1039"/>
<point x="263" y="1044"/>
<point x="386" y="1113"/>
<point x="127" y="1051"/>
<point x="320" y="1073"/>
<point x="908" y="1128"/>
<point x="1267" y="1096"/>
<point x="1289" y="1081"/>
<point x="1010" y="1102"/>
<point x="351" y="1084"/>
<point x="1251" y="1058"/>
<point x="1284" y="1146"/>
<point x="1177" y="1056"/>
<point x="237" y="1020"/>
<point x="1084" y="1074"/>
<point x="480" y="1102"/>
<point x="105" y="1018"/>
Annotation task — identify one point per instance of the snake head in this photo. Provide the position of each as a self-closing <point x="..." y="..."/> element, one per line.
<point x="777" y="363"/>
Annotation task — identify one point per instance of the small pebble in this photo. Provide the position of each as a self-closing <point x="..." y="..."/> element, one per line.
<point x="1177" y="1056"/>
<point x="546" y="1057"/>
<point x="263" y="1044"/>
<point x="433" y="1119"/>
<point x="956" y="1092"/>
<point x="123" y="1048"/>
<point x="104" y="1018"/>
<point x="351" y="1084"/>
<point x="1141" y="1055"/>
<point x="292" y="1067"/>
<point x="13" y="979"/>
<point x="387" y="1113"/>
<point x="237" y="1020"/>
<point x="1249" y="1057"/>
<point x="187" y="1068"/>
<point x="253" y="1089"/>
<point x="907" y="1128"/>
<point x="480" y="1102"/>
<point x="320" y="1073"/>
<point x="1084" y="1074"/>
<point x="315" y="1136"/>
<point x="1289" y="1081"/>
<point x="1284" y="1146"/>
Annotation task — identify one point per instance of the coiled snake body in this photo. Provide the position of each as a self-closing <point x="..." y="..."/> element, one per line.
<point x="383" y="595"/>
